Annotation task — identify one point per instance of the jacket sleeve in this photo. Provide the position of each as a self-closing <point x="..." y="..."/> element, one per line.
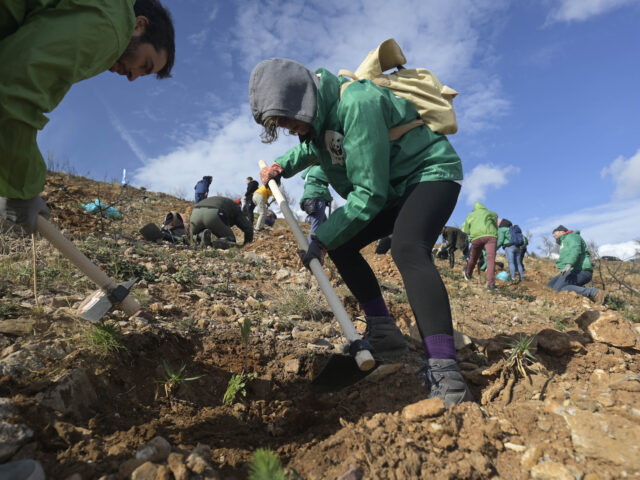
<point x="297" y="159"/>
<point x="466" y="227"/>
<point x="501" y="238"/>
<point x="54" y="48"/>
<point x="367" y="148"/>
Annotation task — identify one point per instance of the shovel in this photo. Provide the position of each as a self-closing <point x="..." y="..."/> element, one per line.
<point x="340" y="370"/>
<point x="109" y="294"/>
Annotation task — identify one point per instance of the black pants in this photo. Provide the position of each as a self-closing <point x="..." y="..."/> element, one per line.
<point x="416" y="224"/>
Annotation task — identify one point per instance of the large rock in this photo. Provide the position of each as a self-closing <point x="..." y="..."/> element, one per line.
<point x="17" y="326"/>
<point x="73" y="393"/>
<point x="31" y="357"/>
<point x="610" y="328"/>
<point x="603" y="436"/>
<point x="551" y="471"/>
<point x="557" y="343"/>
<point x="177" y="466"/>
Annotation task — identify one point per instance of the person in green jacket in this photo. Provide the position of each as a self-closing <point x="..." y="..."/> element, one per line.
<point x="407" y="186"/>
<point x="574" y="265"/>
<point x="315" y="197"/>
<point x="482" y="227"/>
<point x="511" y="250"/>
<point x="45" y="47"/>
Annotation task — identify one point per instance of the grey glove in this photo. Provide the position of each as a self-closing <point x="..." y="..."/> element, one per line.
<point x="566" y="268"/>
<point x="24" y="212"/>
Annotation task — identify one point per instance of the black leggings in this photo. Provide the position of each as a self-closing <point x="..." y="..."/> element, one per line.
<point x="415" y="223"/>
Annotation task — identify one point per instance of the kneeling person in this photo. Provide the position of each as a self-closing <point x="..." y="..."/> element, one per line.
<point x="216" y="215"/>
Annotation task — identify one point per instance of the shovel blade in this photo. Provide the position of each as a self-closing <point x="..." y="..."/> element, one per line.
<point x="340" y="371"/>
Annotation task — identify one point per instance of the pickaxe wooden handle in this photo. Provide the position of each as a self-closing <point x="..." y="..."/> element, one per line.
<point x="363" y="358"/>
<point x="86" y="266"/>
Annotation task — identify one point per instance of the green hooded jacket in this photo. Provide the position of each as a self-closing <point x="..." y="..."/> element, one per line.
<point x="574" y="252"/>
<point x="481" y="222"/>
<point x="352" y="145"/>
<point x="45" y="47"/>
<point x="316" y="185"/>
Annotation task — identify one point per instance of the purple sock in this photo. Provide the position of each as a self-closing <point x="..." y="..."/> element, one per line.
<point x="439" y="346"/>
<point x="376" y="308"/>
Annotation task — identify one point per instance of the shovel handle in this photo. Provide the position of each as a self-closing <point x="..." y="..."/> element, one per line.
<point x="86" y="266"/>
<point x="363" y="358"/>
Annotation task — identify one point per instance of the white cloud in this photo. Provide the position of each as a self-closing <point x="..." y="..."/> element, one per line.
<point x="626" y="175"/>
<point x="613" y="222"/>
<point x="449" y="38"/>
<point x="229" y="152"/>
<point x="198" y="38"/>
<point x="581" y="10"/>
<point x="624" y="250"/>
<point x="482" y="178"/>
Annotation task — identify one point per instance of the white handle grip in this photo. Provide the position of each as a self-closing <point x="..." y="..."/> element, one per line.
<point x="363" y="358"/>
<point x="86" y="266"/>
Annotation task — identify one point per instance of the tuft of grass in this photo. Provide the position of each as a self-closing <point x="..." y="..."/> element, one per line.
<point x="106" y="336"/>
<point x="521" y="356"/>
<point x="237" y="386"/>
<point x="559" y="323"/>
<point x="186" y="276"/>
<point x="615" y="303"/>
<point x="174" y="379"/>
<point x="266" y="465"/>
<point x="297" y="301"/>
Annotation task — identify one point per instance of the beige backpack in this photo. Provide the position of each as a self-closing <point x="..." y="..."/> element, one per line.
<point x="432" y="100"/>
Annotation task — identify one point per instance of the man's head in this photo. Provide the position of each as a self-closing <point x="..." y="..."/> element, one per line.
<point x="559" y="231"/>
<point x="152" y="45"/>
<point x="249" y="179"/>
<point x="283" y="94"/>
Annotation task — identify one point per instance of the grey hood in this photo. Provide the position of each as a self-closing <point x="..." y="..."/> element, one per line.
<point x="282" y="87"/>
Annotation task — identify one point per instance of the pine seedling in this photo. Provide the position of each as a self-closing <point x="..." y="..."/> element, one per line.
<point x="266" y="465"/>
<point x="174" y="379"/>
<point x="106" y="336"/>
<point x="237" y="386"/>
<point x="521" y="356"/>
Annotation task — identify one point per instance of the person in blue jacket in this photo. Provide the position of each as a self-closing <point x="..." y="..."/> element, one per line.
<point x="202" y="188"/>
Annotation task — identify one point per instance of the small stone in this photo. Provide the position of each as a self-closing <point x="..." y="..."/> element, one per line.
<point x="429" y="407"/>
<point x="320" y="345"/>
<point x="383" y="371"/>
<point x="282" y="274"/>
<point x="146" y="471"/>
<point x="551" y="471"/>
<point x="329" y="331"/>
<point x="17" y="327"/>
<point x="515" y="447"/>
<point x="557" y="343"/>
<point x="177" y="466"/>
<point x="156" y="450"/>
<point x="222" y="311"/>
<point x="530" y="457"/>
<point x="126" y="468"/>
<point x="72" y="393"/>
<point x="354" y="473"/>
<point x="292" y="365"/>
<point x="252" y="302"/>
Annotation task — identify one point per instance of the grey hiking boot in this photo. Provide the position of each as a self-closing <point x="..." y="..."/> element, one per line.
<point x="21" y="470"/>
<point x="446" y="381"/>
<point x="384" y="336"/>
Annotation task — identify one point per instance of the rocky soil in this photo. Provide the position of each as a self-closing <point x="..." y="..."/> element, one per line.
<point x="142" y="397"/>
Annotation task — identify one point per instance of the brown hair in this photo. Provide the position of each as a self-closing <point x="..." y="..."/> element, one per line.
<point x="270" y="132"/>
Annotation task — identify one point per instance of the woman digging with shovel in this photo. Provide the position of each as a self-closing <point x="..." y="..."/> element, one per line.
<point x="406" y="187"/>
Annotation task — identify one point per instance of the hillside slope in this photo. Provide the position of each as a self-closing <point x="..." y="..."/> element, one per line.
<point x="84" y="399"/>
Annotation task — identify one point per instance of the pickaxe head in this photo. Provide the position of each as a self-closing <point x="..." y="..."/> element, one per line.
<point x="96" y="305"/>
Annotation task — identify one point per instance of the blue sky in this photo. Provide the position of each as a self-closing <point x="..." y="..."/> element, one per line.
<point x="547" y="110"/>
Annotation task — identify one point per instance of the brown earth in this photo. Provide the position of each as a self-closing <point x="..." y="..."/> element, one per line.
<point x="576" y="413"/>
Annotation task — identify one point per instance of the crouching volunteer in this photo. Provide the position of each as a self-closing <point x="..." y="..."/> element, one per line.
<point x="216" y="215"/>
<point x="574" y="265"/>
<point x="406" y="187"/>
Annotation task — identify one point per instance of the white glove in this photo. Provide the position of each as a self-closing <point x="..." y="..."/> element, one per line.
<point x="24" y="212"/>
<point x="566" y="268"/>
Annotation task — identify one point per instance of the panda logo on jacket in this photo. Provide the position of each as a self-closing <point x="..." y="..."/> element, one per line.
<point x="333" y="141"/>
